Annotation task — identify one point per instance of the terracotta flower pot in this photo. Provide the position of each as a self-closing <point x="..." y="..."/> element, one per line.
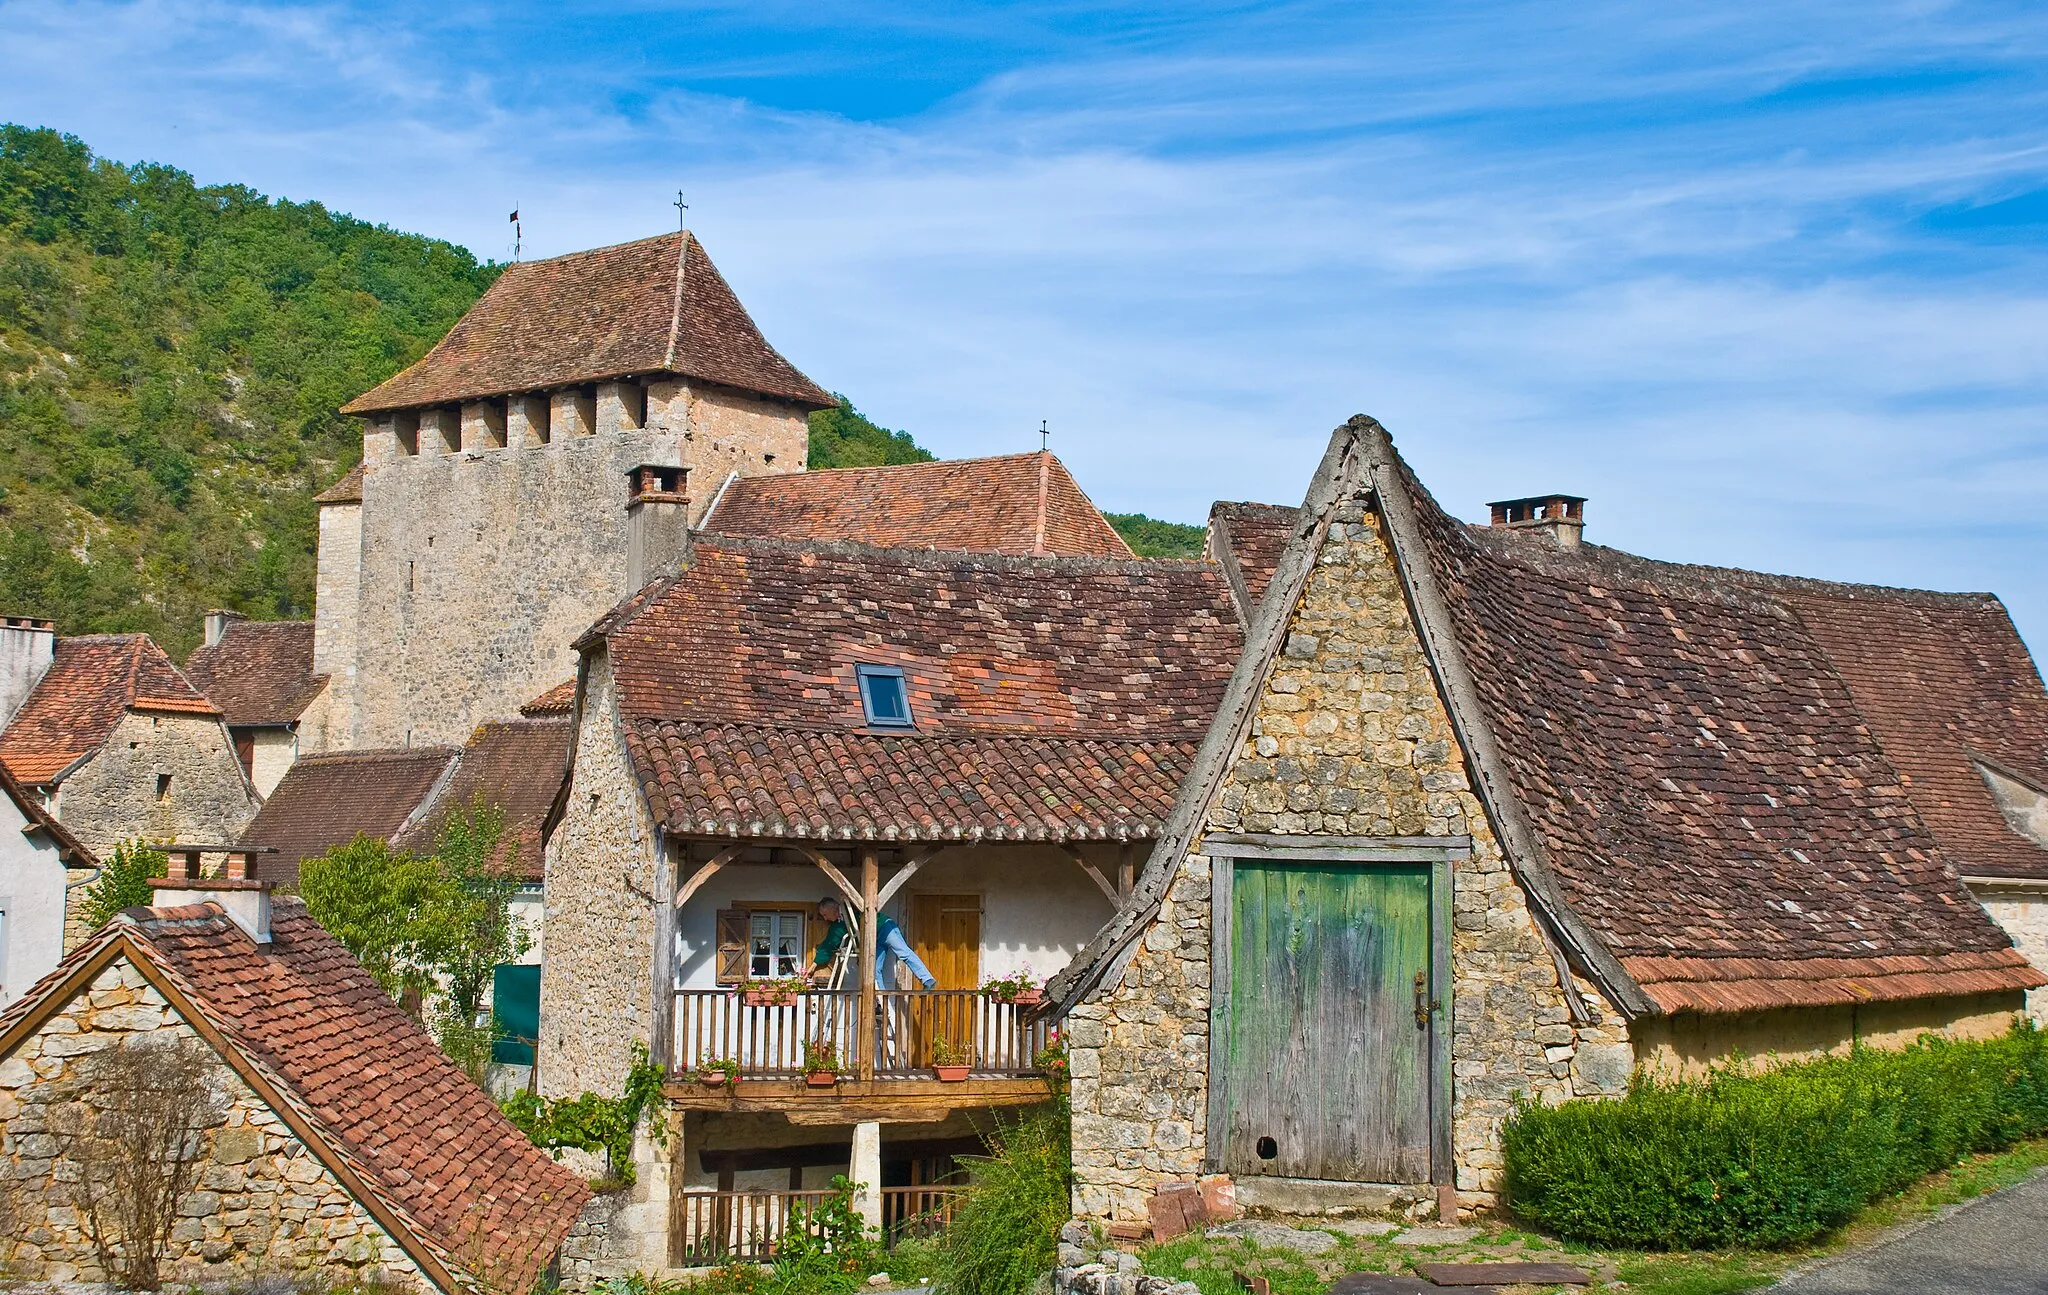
<point x="768" y="998"/>
<point x="951" y="1074"/>
<point x="822" y="1078"/>
<point x="1028" y="997"/>
<point x="713" y="1078"/>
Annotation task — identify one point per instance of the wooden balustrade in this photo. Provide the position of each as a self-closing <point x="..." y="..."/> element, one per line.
<point x="768" y="1040"/>
<point x="707" y="1227"/>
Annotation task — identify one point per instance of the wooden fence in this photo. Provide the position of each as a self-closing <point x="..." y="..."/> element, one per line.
<point x="768" y="1039"/>
<point x="708" y="1227"/>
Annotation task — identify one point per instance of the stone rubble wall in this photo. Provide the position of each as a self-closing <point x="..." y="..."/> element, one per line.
<point x="264" y="1203"/>
<point x="2024" y="915"/>
<point x="1351" y="738"/>
<point x="597" y="982"/>
<point x="1084" y="1268"/>
<point x="112" y="797"/>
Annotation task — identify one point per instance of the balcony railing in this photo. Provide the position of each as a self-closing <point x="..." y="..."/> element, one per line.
<point x="714" y="1227"/>
<point x="767" y="1040"/>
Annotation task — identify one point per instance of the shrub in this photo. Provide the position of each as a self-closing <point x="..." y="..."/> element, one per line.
<point x="1771" y="1158"/>
<point x="123" y="881"/>
<point x="826" y="1249"/>
<point x="1006" y="1229"/>
<point x="592" y="1123"/>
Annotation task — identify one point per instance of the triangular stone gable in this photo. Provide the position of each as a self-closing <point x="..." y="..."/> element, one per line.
<point x="265" y="1200"/>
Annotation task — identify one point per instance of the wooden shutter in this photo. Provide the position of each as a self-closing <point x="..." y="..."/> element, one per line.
<point x="732" y="945"/>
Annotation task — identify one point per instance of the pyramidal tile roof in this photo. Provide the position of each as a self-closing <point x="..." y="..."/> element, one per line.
<point x="1013" y="503"/>
<point x="260" y="672"/>
<point x="649" y="307"/>
<point x="93" y="680"/>
<point x="426" y="1151"/>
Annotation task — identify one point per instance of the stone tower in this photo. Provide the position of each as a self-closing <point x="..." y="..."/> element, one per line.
<point x="529" y="472"/>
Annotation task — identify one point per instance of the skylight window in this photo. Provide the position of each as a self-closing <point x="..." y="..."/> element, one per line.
<point x="883" y="696"/>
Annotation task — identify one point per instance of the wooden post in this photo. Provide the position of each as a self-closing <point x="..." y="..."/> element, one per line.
<point x="870" y="915"/>
<point x="1126" y="869"/>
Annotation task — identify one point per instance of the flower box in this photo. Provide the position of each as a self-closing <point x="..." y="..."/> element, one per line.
<point x="768" y="997"/>
<point x="821" y="1078"/>
<point x="952" y="1074"/>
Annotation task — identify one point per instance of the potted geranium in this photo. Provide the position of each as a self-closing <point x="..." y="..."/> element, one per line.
<point x="1019" y="987"/>
<point x="821" y="1063"/>
<point x="718" y="1073"/>
<point x="771" y="993"/>
<point x="950" y="1061"/>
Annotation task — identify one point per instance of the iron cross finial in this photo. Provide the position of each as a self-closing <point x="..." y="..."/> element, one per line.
<point x="682" y="211"/>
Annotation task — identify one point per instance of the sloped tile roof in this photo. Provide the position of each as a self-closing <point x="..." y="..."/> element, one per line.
<point x="92" y="681"/>
<point x="1036" y="685"/>
<point x="348" y="490"/>
<point x="654" y="306"/>
<point x="326" y="799"/>
<point x="558" y="700"/>
<point x="427" y="1146"/>
<point x="1016" y="503"/>
<point x="1711" y="798"/>
<point x="260" y="672"/>
<point x="1251" y="537"/>
<point x="70" y="851"/>
<point x="516" y="765"/>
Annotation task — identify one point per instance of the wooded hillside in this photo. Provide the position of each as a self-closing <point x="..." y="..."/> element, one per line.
<point x="172" y="357"/>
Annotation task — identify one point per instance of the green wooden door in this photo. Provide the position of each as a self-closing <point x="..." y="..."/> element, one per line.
<point x="1328" y="1071"/>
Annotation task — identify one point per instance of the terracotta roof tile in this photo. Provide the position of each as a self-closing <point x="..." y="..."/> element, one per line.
<point x="93" y="680"/>
<point x="610" y="312"/>
<point x="1251" y="537"/>
<point x="517" y="766"/>
<point x="260" y="672"/>
<point x="1017" y="503"/>
<point x="423" y="1135"/>
<point x="348" y="490"/>
<point x="558" y="700"/>
<point x="326" y="799"/>
<point x="1704" y="783"/>
<point x="69" y="849"/>
<point x="1036" y="684"/>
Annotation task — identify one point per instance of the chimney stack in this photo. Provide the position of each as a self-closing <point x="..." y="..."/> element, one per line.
<point x="217" y="624"/>
<point x="27" y="646"/>
<point x="1561" y="517"/>
<point x="237" y="889"/>
<point x="657" y="523"/>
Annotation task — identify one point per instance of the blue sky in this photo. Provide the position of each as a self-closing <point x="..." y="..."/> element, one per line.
<point x="1769" y="283"/>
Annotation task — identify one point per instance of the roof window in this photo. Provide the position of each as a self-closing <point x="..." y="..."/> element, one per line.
<point x="883" y="696"/>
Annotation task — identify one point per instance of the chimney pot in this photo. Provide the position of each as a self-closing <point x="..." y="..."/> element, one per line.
<point x="657" y="522"/>
<point x="27" y="646"/>
<point x="217" y="624"/>
<point x="1561" y="517"/>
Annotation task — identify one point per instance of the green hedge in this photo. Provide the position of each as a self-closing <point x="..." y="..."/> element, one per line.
<point x="1773" y="1158"/>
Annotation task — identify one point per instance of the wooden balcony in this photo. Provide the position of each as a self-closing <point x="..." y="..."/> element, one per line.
<point x="715" y="1227"/>
<point x="890" y="1059"/>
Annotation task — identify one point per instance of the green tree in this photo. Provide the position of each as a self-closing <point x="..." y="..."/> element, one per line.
<point x="123" y="881"/>
<point x="471" y="930"/>
<point x="382" y="905"/>
<point x="1152" y="538"/>
<point x="844" y="437"/>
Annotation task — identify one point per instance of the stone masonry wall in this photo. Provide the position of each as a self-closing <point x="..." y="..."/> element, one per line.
<point x="264" y="1203"/>
<point x="596" y="983"/>
<point x="113" y="797"/>
<point x="2024" y="915"/>
<point x="1350" y="739"/>
<point x="725" y="431"/>
<point x="337" y="599"/>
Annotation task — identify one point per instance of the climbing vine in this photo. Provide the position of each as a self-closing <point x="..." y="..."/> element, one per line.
<point x="592" y="1123"/>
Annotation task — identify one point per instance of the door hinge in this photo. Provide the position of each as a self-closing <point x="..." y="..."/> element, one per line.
<point x="1425" y="1006"/>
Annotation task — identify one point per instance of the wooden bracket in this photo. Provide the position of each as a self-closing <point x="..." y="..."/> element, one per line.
<point x="705" y="873"/>
<point x="846" y="887"/>
<point x="903" y="874"/>
<point x="1102" y="883"/>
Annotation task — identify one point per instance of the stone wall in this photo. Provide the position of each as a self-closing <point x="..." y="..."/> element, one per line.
<point x="113" y="797"/>
<point x="272" y="753"/>
<point x="337" y="597"/>
<point x="1350" y="739"/>
<point x="1688" y="1045"/>
<point x="597" y="981"/>
<point x="264" y="1203"/>
<point x="2022" y="909"/>
<point x="724" y="431"/>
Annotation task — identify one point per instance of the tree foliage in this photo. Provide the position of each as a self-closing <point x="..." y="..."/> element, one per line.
<point x="123" y="881"/>
<point x="846" y="438"/>
<point x="172" y="360"/>
<point x="1152" y="538"/>
<point x="379" y="902"/>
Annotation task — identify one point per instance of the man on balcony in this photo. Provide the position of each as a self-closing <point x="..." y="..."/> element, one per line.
<point x="890" y="949"/>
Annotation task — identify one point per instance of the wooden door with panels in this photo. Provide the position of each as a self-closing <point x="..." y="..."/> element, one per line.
<point x="946" y="932"/>
<point x="1330" y="1033"/>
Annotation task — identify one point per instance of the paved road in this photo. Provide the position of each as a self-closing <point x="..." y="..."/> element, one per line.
<point x="1996" y="1245"/>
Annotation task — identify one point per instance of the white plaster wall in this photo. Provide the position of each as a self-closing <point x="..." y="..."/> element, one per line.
<point x="276" y="749"/>
<point x="32" y="896"/>
<point x="1038" y="910"/>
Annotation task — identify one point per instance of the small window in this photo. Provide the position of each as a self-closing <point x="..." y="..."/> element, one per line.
<point x="883" y="696"/>
<point x="163" y="789"/>
<point x="775" y="944"/>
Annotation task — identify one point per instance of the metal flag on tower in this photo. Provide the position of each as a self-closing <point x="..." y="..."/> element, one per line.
<point x="518" y="232"/>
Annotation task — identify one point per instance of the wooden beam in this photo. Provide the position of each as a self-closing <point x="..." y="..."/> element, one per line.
<point x="846" y="887"/>
<point x="1126" y="869"/>
<point x="1306" y="841"/>
<point x="705" y="873"/>
<point x="870" y="915"/>
<point x="1101" y="882"/>
<point x="905" y="873"/>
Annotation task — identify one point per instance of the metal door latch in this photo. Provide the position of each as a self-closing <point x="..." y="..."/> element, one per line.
<point x="1425" y="1007"/>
